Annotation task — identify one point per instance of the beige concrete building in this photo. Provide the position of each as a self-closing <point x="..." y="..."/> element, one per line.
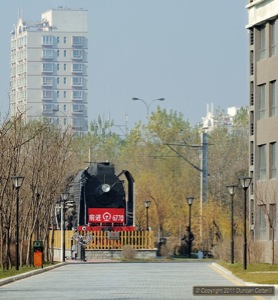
<point x="49" y="68"/>
<point x="263" y="77"/>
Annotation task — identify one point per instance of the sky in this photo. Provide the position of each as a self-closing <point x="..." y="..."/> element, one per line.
<point x="192" y="53"/>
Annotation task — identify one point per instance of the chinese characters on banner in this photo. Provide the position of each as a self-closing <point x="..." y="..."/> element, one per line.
<point x="106" y="215"/>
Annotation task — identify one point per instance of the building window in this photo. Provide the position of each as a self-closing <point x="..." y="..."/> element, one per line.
<point x="261" y="222"/>
<point x="58" y="94"/>
<point x="262" y="43"/>
<point x="48" y="81"/>
<point x="47" y="107"/>
<point x="47" y="94"/>
<point x="58" y="53"/>
<point x="55" y="107"/>
<point x="65" y="67"/>
<point x="46" y="67"/>
<point x="58" y="67"/>
<point x="76" y="122"/>
<point x="78" y="68"/>
<point x="65" y="53"/>
<point x="58" y="39"/>
<point x="77" y="54"/>
<point x="272" y="219"/>
<point x="262" y="162"/>
<point x="77" y="40"/>
<point x="77" y="81"/>
<point x="272" y="38"/>
<point x="77" y="95"/>
<point x="65" y="94"/>
<point x="65" y="39"/>
<point x="262" y="100"/>
<point x="251" y="93"/>
<point x="47" y="40"/>
<point x="77" y="108"/>
<point x="272" y="156"/>
<point x="251" y="35"/>
<point x="58" y="80"/>
<point x="65" y="121"/>
<point x="65" y="80"/>
<point x="65" y="107"/>
<point x="251" y="62"/>
<point x="272" y="98"/>
<point x="47" y="54"/>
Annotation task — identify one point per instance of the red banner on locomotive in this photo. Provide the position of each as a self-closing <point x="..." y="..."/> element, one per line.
<point x="106" y="215"/>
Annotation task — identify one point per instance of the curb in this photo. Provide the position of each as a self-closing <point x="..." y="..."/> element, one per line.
<point x="28" y="274"/>
<point x="227" y="272"/>
<point x="247" y="283"/>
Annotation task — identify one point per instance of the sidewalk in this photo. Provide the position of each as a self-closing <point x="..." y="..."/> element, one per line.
<point x="28" y="274"/>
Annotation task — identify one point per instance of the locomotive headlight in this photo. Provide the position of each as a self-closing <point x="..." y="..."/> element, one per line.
<point x="105" y="188"/>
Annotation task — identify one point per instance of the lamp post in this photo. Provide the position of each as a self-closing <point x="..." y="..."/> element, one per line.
<point x="37" y="194"/>
<point x="232" y="190"/>
<point x="17" y="182"/>
<point x="147" y="205"/>
<point x="147" y="104"/>
<point x="245" y="182"/>
<point x="64" y="198"/>
<point x="189" y="239"/>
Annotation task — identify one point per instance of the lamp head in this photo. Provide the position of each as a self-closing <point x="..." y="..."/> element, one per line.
<point x="147" y="203"/>
<point x="245" y="181"/>
<point x="17" y="181"/>
<point x="232" y="189"/>
<point x="189" y="200"/>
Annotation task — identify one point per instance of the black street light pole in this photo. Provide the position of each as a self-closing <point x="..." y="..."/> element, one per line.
<point x="245" y="182"/>
<point x="189" y="202"/>
<point x="37" y="195"/>
<point x="145" y="103"/>
<point x="232" y="190"/>
<point x="64" y="198"/>
<point x="147" y="205"/>
<point x="17" y="182"/>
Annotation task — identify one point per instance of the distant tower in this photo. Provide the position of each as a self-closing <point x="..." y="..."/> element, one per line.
<point x="49" y="63"/>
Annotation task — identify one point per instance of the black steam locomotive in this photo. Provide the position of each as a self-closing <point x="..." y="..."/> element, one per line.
<point x="99" y="201"/>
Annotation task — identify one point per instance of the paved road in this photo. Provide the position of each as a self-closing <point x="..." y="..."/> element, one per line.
<point x="119" y="281"/>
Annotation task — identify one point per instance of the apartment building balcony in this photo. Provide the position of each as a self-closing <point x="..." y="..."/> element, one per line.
<point x="77" y="69"/>
<point x="47" y="112"/>
<point x="77" y="82"/>
<point x="77" y="41"/>
<point x="77" y="55"/>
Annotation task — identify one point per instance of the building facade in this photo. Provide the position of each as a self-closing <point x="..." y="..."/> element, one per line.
<point x="49" y="69"/>
<point x="263" y="114"/>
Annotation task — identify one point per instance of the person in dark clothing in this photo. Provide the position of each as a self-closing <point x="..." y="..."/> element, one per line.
<point x="188" y="238"/>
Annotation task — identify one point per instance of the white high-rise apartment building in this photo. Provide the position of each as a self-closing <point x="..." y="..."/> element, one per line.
<point x="49" y="69"/>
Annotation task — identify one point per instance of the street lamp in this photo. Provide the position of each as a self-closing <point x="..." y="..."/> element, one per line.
<point x="245" y="181"/>
<point x="232" y="190"/>
<point x="147" y="104"/>
<point x="189" y="240"/>
<point x="17" y="182"/>
<point x="64" y="198"/>
<point x="147" y="205"/>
